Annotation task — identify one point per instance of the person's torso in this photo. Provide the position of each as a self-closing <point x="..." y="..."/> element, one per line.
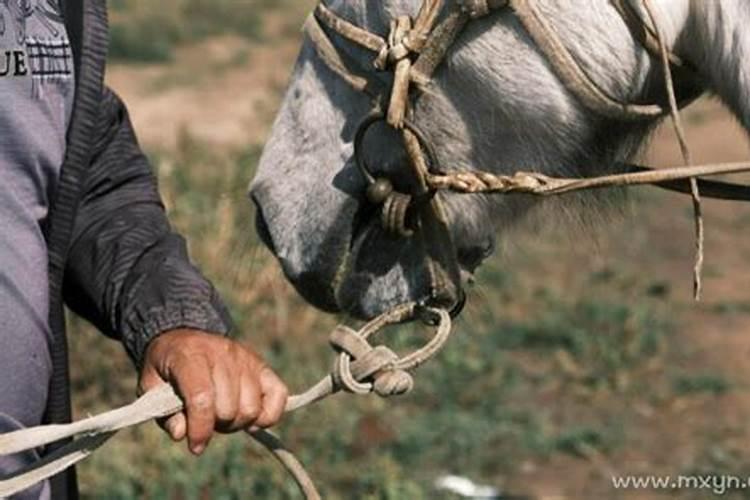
<point x="36" y="85"/>
<point x="36" y="98"/>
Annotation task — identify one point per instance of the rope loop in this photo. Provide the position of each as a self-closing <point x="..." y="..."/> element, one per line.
<point x="363" y="369"/>
<point x="394" y="212"/>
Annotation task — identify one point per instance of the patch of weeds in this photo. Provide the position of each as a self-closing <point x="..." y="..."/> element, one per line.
<point x="601" y="338"/>
<point x="703" y="383"/>
<point x="581" y="441"/>
<point x="659" y="289"/>
<point x="147" y="31"/>
<point x="147" y="39"/>
<point x="731" y="307"/>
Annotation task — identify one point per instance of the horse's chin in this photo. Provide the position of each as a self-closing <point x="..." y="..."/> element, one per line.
<point x="380" y="272"/>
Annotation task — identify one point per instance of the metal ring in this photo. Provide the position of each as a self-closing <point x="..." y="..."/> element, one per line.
<point x="460" y="304"/>
<point x="371" y="119"/>
<point x="374" y="117"/>
<point x="423" y="309"/>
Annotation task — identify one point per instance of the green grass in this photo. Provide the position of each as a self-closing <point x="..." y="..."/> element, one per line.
<point x="701" y="383"/>
<point x="148" y="31"/>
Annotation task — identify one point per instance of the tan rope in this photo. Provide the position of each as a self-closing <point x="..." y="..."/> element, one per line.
<point x="332" y="58"/>
<point x="684" y="148"/>
<point x="476" y="182"/>
<point x="362" y="37"/>
<point x="571" y="73"/>
<point x="360" y="369"/>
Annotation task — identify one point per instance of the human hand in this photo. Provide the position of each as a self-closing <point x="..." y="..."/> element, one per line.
<point x="226" y="387"/>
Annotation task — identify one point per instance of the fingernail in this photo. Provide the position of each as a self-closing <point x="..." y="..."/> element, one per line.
<point x="253" y="429"/>
<point x="198" y="449"/>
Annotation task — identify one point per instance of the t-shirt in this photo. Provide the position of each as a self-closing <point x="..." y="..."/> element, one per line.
<point x="36" y="99"/>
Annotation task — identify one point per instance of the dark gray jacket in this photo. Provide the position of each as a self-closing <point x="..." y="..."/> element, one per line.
<point x="113" y="257"/>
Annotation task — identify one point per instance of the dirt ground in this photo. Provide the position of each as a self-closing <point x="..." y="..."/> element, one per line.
<point x="233" y="105"/>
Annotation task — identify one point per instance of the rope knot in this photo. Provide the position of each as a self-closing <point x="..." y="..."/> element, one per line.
<point x="393" y="215"/>
<point x="362" y="369"/>
<point x="393" y="383"/>
<point x="398" y="46"/>
<point x="402" y="42"/>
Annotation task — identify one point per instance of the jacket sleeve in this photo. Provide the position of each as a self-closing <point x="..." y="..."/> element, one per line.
<point x="128" y="272"/>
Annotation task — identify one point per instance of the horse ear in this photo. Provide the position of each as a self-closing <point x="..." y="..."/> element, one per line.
<point x="720" y="49"/>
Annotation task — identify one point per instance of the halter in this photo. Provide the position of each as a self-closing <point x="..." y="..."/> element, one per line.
<point x="412" y="52"/>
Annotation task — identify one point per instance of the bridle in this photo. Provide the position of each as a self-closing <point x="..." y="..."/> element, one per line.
<point x="413" y="51"/>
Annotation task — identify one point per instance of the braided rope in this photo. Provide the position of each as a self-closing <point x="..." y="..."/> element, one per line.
<point x="479" y="182"/>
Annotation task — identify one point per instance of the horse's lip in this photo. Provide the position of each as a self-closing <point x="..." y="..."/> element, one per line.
<point x="366" y="284"/>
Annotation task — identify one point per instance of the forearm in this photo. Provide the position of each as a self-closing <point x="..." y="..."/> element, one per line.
<point x="127" y="271"/>
<point x="131" y="276"/>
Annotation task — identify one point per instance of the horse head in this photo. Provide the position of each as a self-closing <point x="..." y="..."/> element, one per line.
<point x="495" y="102"/>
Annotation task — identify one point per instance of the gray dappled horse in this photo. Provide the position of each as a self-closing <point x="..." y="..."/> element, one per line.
<point x="494" y="103"/>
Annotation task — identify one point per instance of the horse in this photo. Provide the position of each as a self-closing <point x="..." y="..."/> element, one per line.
<point x="495" y="102"/>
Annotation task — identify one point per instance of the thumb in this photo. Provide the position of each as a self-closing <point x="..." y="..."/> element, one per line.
<point x="176" y="426"/>
<point x="148" y="380"/>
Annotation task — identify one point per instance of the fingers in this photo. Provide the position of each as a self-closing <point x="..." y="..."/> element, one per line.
<point x="250" y="401"/>
<point x="275" y="395"/>
<point x="195" y="383"/>
<point x="227" y="388"/>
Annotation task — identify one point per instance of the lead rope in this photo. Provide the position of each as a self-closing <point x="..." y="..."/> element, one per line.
<point x="674" y="111"/>
<point x="360" y="368"/>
